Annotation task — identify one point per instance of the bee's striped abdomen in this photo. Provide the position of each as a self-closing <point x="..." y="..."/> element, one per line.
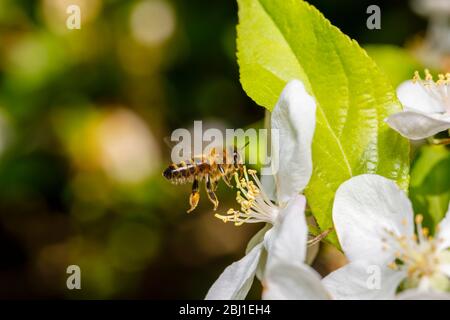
<point x="186" y="171"/>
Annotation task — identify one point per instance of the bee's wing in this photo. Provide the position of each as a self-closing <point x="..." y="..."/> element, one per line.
<point x="169" y="143"/>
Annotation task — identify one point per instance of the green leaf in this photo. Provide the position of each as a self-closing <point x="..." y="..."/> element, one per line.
<point x="282" y="40"/>
<point x="430" y="184"/>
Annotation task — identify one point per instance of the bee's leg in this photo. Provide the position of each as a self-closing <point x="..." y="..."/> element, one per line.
<point x="227" y="181"/>
<point x="240" y="170"/>
<point x="210" y="188"/>
<point x="194" y="197"/>
<point x="225" y="178"/>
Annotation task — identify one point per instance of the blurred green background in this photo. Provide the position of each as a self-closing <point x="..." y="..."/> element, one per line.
<point x="83" y="116"/>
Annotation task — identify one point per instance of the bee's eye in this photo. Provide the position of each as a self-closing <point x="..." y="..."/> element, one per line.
<point x="168" y="173"/>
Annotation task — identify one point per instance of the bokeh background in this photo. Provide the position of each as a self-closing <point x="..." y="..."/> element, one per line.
<point x="83" y="116"/>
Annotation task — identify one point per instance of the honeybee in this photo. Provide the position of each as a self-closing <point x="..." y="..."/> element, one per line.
<point x="206" y="168"/>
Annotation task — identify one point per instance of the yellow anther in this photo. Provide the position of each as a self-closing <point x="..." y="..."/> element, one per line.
<point x="223" y="218"/>
<point x="392" y="266"/>
<point x="442" y="80"/>
<point x="419" y="219"/>
<point x="416" y="77"/>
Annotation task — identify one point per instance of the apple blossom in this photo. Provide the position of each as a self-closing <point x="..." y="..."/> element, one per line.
<point x="285" y="234"/>
<point x="426" y="107"/>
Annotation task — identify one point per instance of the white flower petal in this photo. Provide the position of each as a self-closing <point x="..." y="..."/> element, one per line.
<point x="414" y="98"/>
<point x="268" y="183"/>
<point x="287" y="240"/>
<point x="289" y="281"/>
<point x="294" y="118"/>
<point x="267" y="176"/>
<point x="236" y="280"/>
<point x="444" y="231"/>
<point x="415" y="125"/>
<point x="364" y="208"/>
<point x="257" y="238"/>
<point x="415" y="294"/>
<point x="445" y="269"/>
<point x="358" y="281"/>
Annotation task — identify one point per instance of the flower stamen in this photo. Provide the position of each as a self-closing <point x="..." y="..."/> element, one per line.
<point x="254" y="202"/>
<point x="439" y="90"/>
<point x="418" y="255"/>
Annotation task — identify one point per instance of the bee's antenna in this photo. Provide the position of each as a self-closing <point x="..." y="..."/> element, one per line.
<point x="246" y="144"/>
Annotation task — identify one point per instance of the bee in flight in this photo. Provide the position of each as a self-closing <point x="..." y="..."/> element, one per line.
<point x="210" y="168"/>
